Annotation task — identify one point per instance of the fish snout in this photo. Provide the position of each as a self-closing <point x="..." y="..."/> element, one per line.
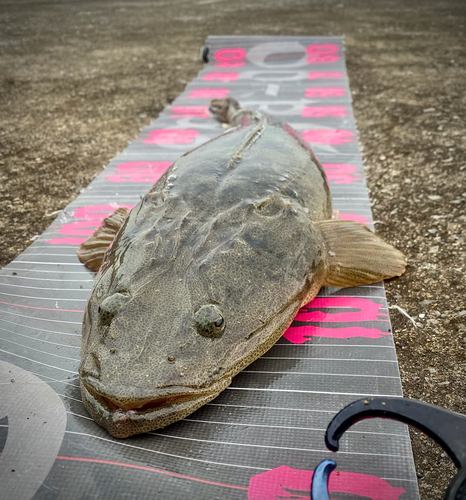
<point x="90" y="366"/>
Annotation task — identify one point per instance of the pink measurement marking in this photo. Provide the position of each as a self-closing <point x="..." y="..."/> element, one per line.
<point x="97" y="212"/>
<point x="325" y="92"/>
<point x="317" y="75"/>
<point x="140" y="171"/>
<point x="332" y="137"/>
<point x="208" y="93"/>
<point x="190" y="112"/>
<point x="221" y="77"/>
<point x="93" y="215"/>
<point x="149" y="469"/>
<point x="172" y="136"/>
<point x="285" y="482"/>
<point x="368" y="310"/>
<point x="230" y="58"/>
<point x="41" y="308"/>
<point x="301" y="334"/>
<point x="230" y="54"/>
<point x="321" y="111"/>
<point x="341" y="173"/>
<point x="323" y="53"/>
<point x="358" y="218"/>
<point x="66" y="241"/>
<point x="78" y="228"/>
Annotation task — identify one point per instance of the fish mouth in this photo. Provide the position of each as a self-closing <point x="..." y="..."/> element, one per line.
<point x="124" y="420"/>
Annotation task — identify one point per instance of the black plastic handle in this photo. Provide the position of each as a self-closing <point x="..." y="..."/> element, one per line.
<point x="447" y="428"/>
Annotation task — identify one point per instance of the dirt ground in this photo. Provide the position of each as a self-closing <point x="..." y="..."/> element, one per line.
<point x="78" y="79"/>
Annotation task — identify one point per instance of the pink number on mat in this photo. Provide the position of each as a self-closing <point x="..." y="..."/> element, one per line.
<point x="368" y="311"/>
<point x="230" y="58"/>
<point x="324" y="53"/>
<point x="93" y="215"/>
<point x="301" y="334"/>
<point x="190" y="112"/>
<point x="172" y="136"/>
<point x="208" y="93"/>
<point x="330" y="136"/>
<point x="325" y="92"/>
<point x="358" y="218"/>
<point x="140" y="171"/>
<point x="285" y="482"/>
<point x="341" y="173"/>
<point x="221" y="77"/>
<point x="317" y="75"/>
<point x="321" y="111"/>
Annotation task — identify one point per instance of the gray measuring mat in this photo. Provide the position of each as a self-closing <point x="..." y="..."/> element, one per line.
<point x="262" y="437"/>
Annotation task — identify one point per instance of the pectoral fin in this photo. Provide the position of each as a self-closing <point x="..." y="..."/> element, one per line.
<point x="92" y="251"/>
<point x="356" y="256"/>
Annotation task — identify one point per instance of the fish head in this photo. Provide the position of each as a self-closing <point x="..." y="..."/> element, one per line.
<point x="166" y="329"/>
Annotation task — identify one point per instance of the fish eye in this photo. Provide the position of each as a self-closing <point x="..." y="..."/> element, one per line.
<point x="209" y="321"/>
<point x="111" y="305"/>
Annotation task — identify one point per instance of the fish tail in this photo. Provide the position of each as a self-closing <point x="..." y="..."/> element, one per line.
<point x="230" y="112"/>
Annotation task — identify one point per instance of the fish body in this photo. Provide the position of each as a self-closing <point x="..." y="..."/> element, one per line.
<point x="207" y="272"/>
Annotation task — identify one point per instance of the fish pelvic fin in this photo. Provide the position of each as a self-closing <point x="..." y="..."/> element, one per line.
<point x="357" y="256"/>
<point x="91" y="252"/>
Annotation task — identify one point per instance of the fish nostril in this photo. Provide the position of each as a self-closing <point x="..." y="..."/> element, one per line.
<point x="91" y="366"/>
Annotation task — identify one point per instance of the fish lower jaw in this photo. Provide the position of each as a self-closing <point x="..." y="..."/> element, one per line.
<point x="123" y="423"/>
<point x="149" y="405"/>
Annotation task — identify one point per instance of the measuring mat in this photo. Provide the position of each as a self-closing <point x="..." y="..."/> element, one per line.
<point x="262" y="437"/>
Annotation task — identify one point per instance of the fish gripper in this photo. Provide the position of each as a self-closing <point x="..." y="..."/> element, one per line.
<point x="445" y="427"/>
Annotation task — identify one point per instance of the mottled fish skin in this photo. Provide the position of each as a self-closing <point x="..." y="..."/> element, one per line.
<point x="205" y="275"/>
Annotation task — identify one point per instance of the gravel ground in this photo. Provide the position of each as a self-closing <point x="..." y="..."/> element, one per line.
<point x="79" y="79"/>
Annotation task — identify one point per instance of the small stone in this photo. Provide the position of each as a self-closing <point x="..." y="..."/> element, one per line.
<point x="426" y="302"/>
<point x="434" y="197"/>
<point x="171" y="358"/>
<point x="113" y="350"/>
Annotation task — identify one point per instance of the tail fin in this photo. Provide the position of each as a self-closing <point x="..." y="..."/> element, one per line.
<point x="229" y="111"/>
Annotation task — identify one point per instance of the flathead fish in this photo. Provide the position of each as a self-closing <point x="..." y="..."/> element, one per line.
<point x="205" y="274"/>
